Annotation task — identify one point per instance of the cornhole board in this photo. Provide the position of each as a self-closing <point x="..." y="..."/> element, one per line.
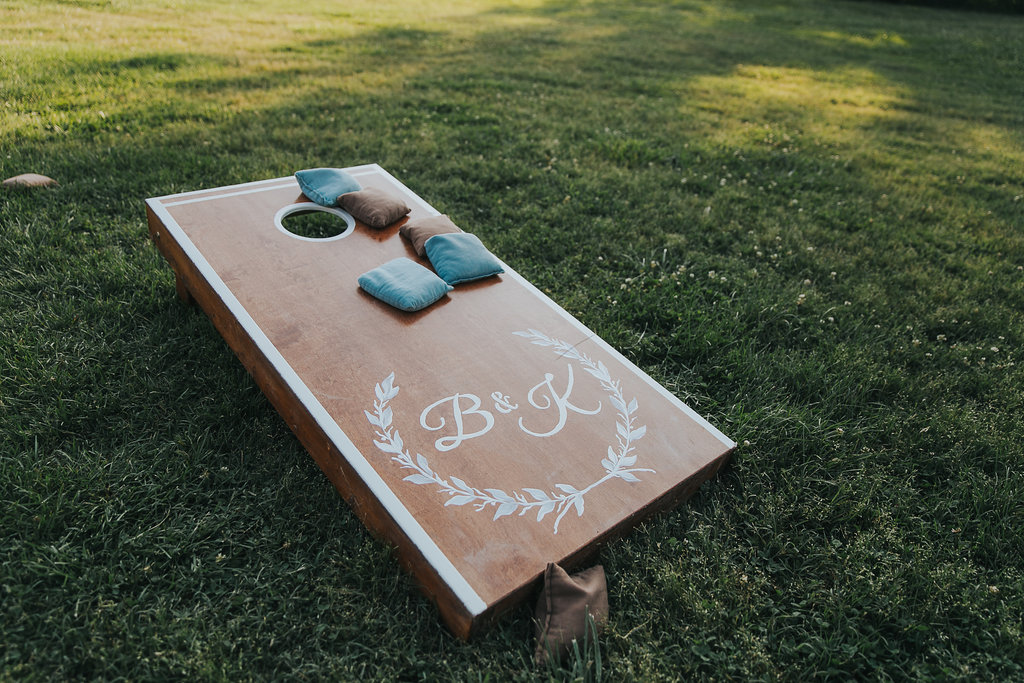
<point x="483" y="437"/>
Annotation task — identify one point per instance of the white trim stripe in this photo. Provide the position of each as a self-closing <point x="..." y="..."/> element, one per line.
<point x="288" y="182"/>
<point x="447" y="571"/>
<point x="230" y="194"/>
<point x="218" y="191"/>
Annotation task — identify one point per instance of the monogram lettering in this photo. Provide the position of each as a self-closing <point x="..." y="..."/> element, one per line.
<point x="458" y="410"/>
<point x="559" y="401"/>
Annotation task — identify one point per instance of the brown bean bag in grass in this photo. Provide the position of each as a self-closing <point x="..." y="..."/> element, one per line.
<point x="29" y="180"/>
<point x="562" y="609"/>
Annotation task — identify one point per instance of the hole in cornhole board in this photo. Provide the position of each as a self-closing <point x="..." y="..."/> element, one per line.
<point x="309" y="221"/>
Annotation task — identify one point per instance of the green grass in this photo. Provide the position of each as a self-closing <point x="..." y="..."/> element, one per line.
<point x="804" y="218"/>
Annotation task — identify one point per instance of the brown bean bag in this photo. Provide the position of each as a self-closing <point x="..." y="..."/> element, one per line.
<point x="565" y="601"/>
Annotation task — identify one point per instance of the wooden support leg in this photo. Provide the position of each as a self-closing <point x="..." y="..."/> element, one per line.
<point x="182" y="290"/>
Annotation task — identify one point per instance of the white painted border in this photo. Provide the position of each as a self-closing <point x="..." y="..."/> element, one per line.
<point x="284" y="212"/>
<point x="254" y="186"/>
<point x="228" y="194"/>
<point x="447" y="571"/>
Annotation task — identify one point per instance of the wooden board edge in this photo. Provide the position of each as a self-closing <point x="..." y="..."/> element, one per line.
<point x="674" y="497"/>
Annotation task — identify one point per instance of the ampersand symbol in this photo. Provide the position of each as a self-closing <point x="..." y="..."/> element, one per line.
<point x="503" y="404"/>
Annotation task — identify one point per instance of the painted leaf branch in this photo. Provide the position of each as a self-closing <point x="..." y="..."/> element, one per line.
<point x="618" y="463"/>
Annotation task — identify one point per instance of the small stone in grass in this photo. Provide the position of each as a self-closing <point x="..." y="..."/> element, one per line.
<point x="29" y="180"/>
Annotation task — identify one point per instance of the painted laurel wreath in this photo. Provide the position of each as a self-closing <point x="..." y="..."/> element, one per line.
<point x="619" y="463"/>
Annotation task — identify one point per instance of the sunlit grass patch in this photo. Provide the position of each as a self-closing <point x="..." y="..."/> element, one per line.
<point x="879" y="38"/>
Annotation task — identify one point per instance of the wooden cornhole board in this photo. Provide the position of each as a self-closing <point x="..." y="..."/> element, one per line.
<point x="483" y="437"/>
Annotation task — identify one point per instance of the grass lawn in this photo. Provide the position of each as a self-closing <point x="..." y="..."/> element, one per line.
<point x="804" y="218"/>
